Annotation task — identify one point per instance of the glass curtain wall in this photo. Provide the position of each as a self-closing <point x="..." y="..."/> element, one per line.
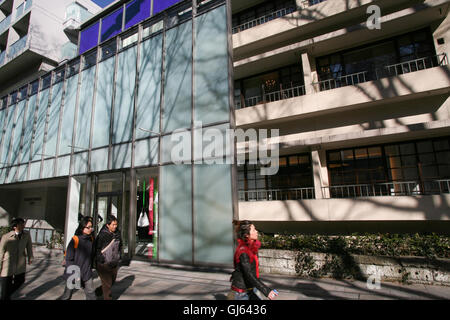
<point x="119" y="104"/>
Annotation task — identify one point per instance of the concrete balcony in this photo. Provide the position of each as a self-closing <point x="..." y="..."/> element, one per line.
<point x="401" y="88"/>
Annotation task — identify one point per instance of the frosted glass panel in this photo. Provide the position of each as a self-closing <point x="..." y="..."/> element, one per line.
<point x="102" y="114"/>
<point x="47" y="171"/>
<point x="213" y="207"/>
<point x="28" y="133"/>
<point x="85" y="109"/>
<point x="22" y="175"/>
<point x="149" y="97"/>
<point x="12" y="175"/>
<point x="80" y="163"/>
<point x="35" y="170"/>
<point x="40" y="125"/>
<point x="2" y="175"/>
<point x="178" y="84"/>
<point x="177" y="151"/>
<point x="121" y="157"/>
<point x="175" y="213"/>
<point x="99" y="160"/>
<point x="53" y="119"/>
<point x="211" y="67"/>
<point x="212" y="144"/>
<point x="68" y="116"/>
<point x="124" y="102"/>
<point x="9" y="125"/>
<point x="20" y="113"/>
<point x="63" y="166"/>
<point x="146" y="152"/>
<point x="2" y="122"/>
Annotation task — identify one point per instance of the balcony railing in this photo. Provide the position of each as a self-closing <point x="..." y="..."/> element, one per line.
<point x="264" y="19"/>
<point x="406" y="188"/>
<point x="273" y="96"/>
<point x="277" y="194"/>
<point x="4" y="24"/>
<point x="16" y="48"/>
<point x="384" y="72"/>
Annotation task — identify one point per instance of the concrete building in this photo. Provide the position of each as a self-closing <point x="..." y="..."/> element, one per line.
<point x="358" y="89"/>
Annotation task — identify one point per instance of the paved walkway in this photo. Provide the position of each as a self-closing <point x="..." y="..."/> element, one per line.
<point x="144" y="281"/>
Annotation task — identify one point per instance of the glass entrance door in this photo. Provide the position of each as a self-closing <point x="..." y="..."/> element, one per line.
<point x="108" y="204"/>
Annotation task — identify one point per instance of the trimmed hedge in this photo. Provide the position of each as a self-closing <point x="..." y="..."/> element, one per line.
<point x="431" y="246"/>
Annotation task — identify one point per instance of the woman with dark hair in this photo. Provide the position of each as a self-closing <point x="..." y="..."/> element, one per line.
<point x="245" y="282"/>
<point x="108" y="255"/>
<point x="79" y="257"/>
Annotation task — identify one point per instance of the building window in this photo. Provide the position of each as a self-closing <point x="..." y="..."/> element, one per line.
<point x="293" y="181"/>
<point x="377" y="60"/>
<point x="408" y="168"/>
<point x="280" y="84"/>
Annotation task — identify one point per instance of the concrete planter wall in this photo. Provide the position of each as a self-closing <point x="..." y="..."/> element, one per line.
<point x="404" y="269"/>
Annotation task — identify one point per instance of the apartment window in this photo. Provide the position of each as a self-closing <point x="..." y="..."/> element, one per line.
<point x="262" y="13"/>
<point x="23" y="93"/>
<point x="90" y="59"/>
<point x="294" y="180"/>
<point x="369" y="62"/>
<point x="3" y="102"/>
<point x="34" y="87"/>
<point x="413" y="167"/>
<point x="271" y="86"/>
<point x="74" y="67"/>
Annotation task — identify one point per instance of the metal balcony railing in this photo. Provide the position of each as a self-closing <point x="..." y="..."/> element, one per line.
<point x="348" y="80"/>
<point x="384" y="72"/>
<point x="264" y="19"/>
<point x="273" y="96"/>
<point x="404" y="188"/>
<point x="277" y="194"/>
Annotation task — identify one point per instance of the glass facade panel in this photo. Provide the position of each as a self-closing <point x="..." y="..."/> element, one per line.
<point x="53" y="119"/>
<point x="121" y="156"/>
<point x="80" y="161"/>
<point x="48" y="169"/>
<point x="28" y="132"/>
<point x="146" y="152"/>
<point x="112" y="25"/>
<point x="85" y="109"/>
<point x="160" y="5"/>
<point x="211" y="68"/>
<point x="124" y="100"/>
<point x="99" y="160"/>
<point x="213" y="206"/>
<point x="63" y="166"/>
<point x="176" y="147"/>
<point x="136" y="11"/>
<point x="38" y="140"/>
<point x="102" y="114"/>
<point x="9" y="126"/>
<point x="35" y="170"/>
<point x="176" y="213"/>
<point x="22" y="174"/>
<point x="149" y="97"/>
<point x="178" y="84"/>
<point x="68" y="116"/>
<point x="89" y="37"/>
<point x="18" y="132"/>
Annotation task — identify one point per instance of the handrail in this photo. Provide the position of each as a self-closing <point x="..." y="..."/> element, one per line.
<point x="264" y="19"/>
<point x="273" y="96"/>
<point x="394" y="188"/>
<point x="277" y="194"/>
<point x="343" y="81"/>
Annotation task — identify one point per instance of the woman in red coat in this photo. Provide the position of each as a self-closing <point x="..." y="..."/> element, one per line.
<point x="245" y="282"/>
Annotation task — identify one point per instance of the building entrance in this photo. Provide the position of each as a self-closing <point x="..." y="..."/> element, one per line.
<point x="107" y="204"/>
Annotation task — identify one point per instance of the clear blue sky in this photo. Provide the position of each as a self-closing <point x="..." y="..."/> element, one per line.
<point x="103" y="3"/>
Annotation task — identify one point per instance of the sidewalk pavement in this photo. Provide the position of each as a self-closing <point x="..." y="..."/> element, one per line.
<point x="141" y="280"/>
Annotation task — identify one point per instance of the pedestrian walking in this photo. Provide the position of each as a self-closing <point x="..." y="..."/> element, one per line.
<point x="108" y="255"/>
<point x="78" y="261"/>
<point x="15" y="248"/>
<point x="245" y="281"/>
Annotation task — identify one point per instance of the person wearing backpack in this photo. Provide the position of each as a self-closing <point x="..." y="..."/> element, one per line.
<point x="80" y="254"/>
<point x="108" y="255"/>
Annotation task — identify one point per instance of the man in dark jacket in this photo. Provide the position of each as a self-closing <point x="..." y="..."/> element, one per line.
<point x="108" y="247"/>
<point x="78" y="258"/>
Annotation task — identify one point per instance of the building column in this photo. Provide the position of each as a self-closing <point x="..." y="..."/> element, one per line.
<point x="309" y="72"/>
<point x="72" y="208"/>
<point x="320" y="174"/>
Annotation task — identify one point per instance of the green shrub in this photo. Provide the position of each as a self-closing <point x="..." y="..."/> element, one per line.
<point x="4" y="230"/>
<point x="431" y="246"/>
